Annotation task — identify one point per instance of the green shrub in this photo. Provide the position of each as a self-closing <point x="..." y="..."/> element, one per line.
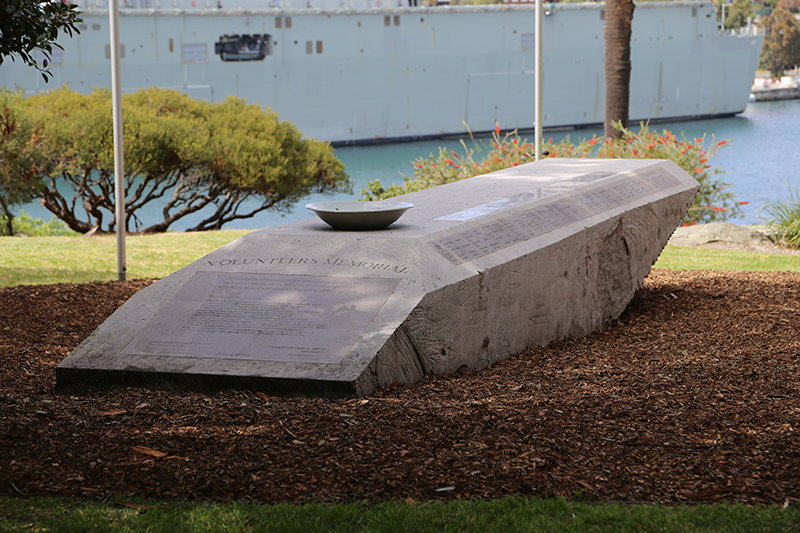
<point x="24" y="224"/>
<point x="20" y="157"/>
<point x="714" y="202"/>
<point x="785" y="215"/>
<point x="225" y="160"/>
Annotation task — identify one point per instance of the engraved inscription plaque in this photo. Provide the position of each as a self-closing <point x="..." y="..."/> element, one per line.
<point x="482" y="240"/>
<point x="264" y="317"/>
<point x="536" y="194"/>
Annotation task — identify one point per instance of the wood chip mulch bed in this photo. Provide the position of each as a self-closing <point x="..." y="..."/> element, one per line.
<point x="691" y="395"/>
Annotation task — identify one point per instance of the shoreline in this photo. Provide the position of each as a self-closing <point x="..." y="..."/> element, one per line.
<point x="774" y="94"/>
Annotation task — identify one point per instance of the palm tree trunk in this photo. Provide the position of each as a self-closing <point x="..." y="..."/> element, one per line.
<point x="617" y="36"/>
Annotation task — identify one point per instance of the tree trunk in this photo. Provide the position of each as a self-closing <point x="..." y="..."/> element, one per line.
<point x="617" y="67"/>
<point x="9" y="217"/>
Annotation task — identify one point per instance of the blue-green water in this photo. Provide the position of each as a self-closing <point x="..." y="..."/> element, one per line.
<point x="763" y="155"/>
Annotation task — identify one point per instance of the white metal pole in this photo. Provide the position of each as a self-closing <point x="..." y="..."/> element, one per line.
<point x="119" y="165"/>
<point x="537" y="72"/>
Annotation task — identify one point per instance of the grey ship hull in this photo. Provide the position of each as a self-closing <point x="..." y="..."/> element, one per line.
<point x="369" y="75"/>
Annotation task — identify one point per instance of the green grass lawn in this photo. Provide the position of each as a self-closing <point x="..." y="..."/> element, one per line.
<point x="693" y="258"/>
<point x="39" y="260"/>
<point x="506" y="515"/>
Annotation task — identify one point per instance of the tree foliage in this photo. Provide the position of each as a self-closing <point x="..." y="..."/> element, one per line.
<point x="28" y="25"/>
<point x="792" y="6"/>
<point x="738" y="14"/>
<point x="20" y="158"/>
<point x="781" y="49"/>
<point x="230" y="159"/>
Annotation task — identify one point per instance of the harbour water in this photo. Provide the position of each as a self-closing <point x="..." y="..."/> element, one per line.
<point x="760" y="159"/>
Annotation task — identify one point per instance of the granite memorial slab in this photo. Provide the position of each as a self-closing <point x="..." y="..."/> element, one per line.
<point x="477" y="271"/>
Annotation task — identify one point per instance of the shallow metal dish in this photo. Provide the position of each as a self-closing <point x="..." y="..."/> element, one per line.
<point x="359" y="216"/>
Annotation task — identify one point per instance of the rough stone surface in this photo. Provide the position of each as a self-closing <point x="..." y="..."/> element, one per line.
<point x="477" y="271"/>
<point x="721" y="232"/>
<point x="732" y="237"/>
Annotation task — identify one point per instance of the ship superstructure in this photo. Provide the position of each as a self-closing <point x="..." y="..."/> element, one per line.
<point x="352" y="72"/>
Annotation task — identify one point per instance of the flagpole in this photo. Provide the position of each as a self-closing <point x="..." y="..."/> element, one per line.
<point x="119" y="166"/>
<point x="537" y="71"/>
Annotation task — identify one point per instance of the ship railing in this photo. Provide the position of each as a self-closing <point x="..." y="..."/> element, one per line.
<point x="750" y="30"/>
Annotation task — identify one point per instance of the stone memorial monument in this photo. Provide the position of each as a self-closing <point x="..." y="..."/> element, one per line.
<point x="476" y="271"/>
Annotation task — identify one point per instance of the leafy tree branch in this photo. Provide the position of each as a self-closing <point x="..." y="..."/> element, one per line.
<point x="28" y="25"/>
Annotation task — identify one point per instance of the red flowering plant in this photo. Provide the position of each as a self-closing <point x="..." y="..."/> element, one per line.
<point x="714" y="202"/>
<point x="448" y="166"/>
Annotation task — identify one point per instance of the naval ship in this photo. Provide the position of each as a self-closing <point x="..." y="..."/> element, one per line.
<point x="365" y="71"/>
